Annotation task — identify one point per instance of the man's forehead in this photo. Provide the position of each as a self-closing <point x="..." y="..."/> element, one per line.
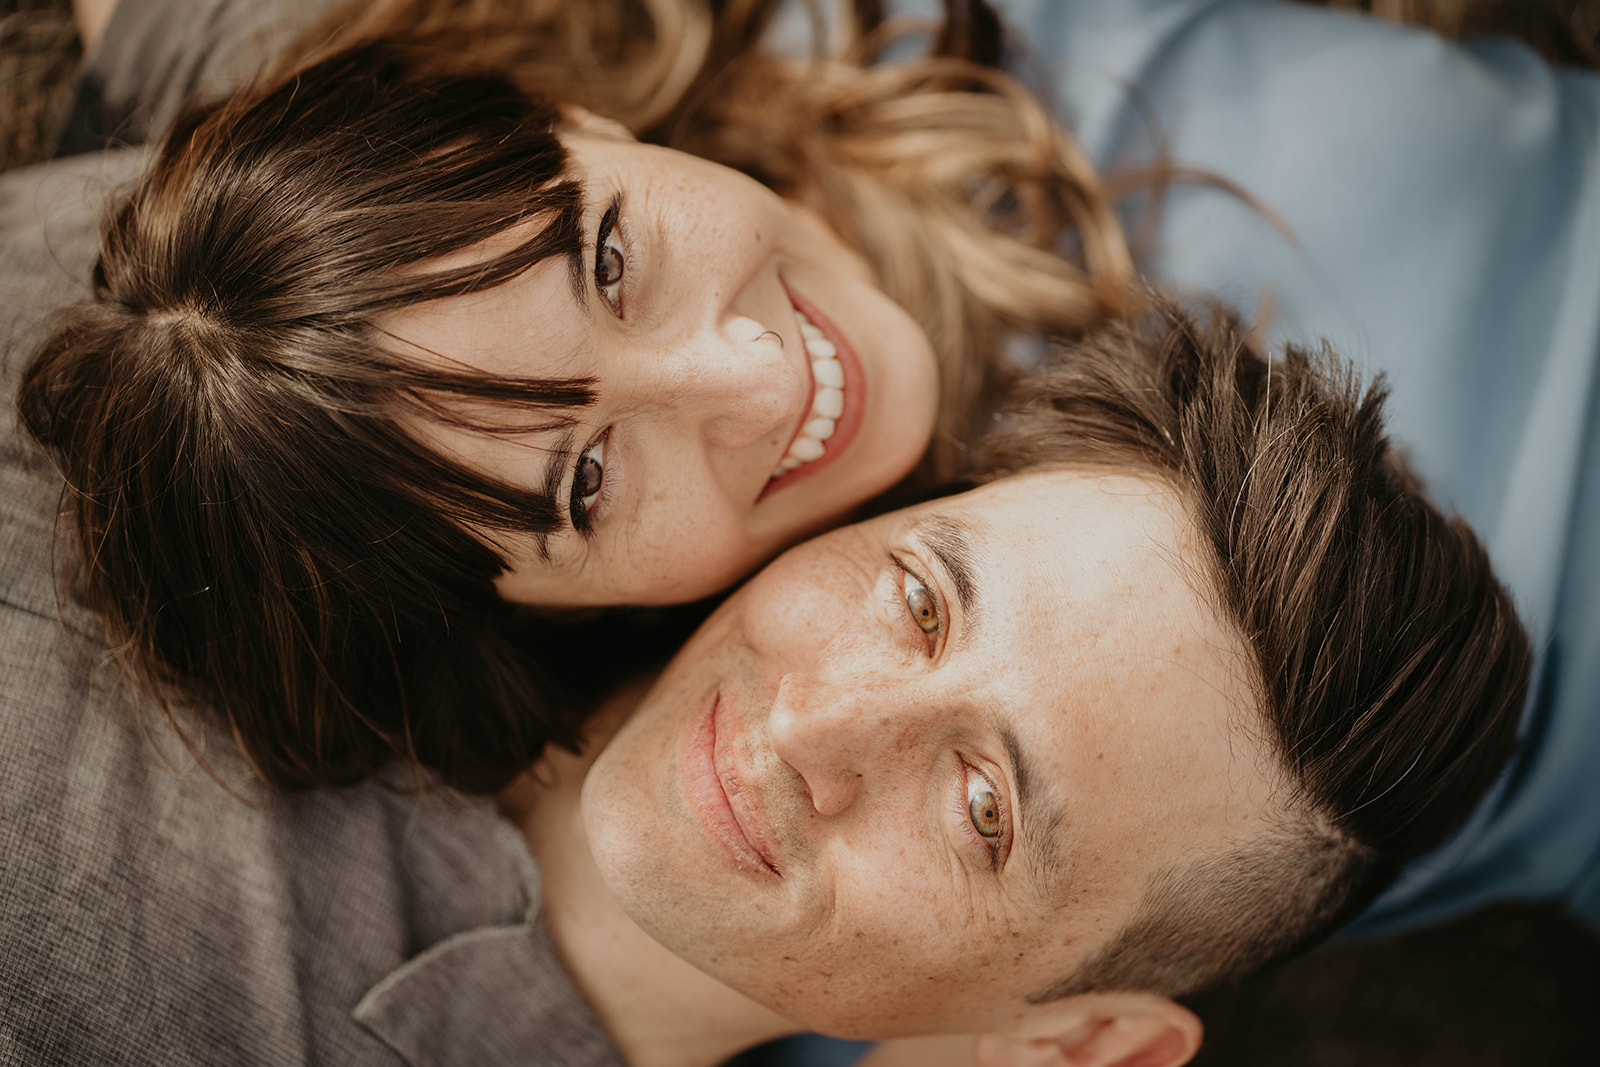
<point x="1073" y="536"/>
<point x="1129" y="700"/>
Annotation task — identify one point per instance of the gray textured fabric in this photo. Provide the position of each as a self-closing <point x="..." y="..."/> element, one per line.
<point x="147" y="916"/>
<point x="156" y="55"/>
<point x="485" y="997"/>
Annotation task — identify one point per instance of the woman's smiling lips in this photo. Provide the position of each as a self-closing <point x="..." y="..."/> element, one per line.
<point x="837" y="397"/>
<point x="717" y="796"/>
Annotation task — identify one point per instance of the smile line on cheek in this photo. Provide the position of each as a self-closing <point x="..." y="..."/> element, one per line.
<point x="837" y="400"/>
<point x="826" y="398"/>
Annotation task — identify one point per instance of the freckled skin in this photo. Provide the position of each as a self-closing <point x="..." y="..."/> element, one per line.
<point x="857" y="745"/>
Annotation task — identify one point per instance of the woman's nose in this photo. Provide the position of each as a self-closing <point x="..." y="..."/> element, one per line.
<point x="744" y="382"/>
<point x="841" y="738"/>
<point x="730" y="384"/>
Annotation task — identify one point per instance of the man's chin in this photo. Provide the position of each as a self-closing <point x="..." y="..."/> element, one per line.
<point x="625" y="826"/>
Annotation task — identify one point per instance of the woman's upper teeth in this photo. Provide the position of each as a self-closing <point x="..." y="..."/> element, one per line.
<point x="827" y="401"/>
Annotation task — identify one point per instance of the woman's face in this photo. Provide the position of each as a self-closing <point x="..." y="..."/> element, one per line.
<point x="754" y="383"/>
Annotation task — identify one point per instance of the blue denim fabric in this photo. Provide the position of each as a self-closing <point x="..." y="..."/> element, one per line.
<point x="1442" y="204"/>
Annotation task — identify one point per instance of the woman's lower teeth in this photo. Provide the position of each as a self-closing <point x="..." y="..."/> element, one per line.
<point x="827" y="403"/>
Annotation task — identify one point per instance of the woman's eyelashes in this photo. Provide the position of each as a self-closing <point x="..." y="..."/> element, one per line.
<point x="922" y="606"/>
<point x="589" y="484"/>
<point x="985" y="812"/>
<point x="610" y="257"/>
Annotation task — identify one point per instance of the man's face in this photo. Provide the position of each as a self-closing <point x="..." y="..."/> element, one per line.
<point x="920" y="768"/>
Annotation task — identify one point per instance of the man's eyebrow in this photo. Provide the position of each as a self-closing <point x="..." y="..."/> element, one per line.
<point x="1041" y="817"/>
<point x="951" y="544"/>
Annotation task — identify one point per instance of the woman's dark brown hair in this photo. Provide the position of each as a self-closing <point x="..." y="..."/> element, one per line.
<point x="248" y="504"/>
<point x="248" y="513"/>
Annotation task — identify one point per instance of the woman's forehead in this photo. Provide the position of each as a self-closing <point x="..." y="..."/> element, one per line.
<point x="534" y="325"/>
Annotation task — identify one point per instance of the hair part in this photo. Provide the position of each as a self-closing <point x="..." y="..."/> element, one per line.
<point x="1390" y="664"/>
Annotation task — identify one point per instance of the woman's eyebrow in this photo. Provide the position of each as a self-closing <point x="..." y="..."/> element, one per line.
<point x="578" y="273"/>
<point x="577" y="269"/>
<point x="558" y="457"/>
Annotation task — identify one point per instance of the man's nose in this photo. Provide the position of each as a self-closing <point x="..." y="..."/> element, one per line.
<point x="842" y="737"/>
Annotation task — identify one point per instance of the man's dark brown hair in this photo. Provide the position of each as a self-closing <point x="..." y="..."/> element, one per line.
<point x="1391" y="664"/>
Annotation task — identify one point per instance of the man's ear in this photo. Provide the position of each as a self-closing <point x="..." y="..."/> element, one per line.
<point x="582" y="120"/>
<point x="1097" y="1030"/>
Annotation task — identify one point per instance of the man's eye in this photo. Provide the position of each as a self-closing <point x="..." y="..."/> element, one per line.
<point x="983" y="808"/>
<point x="924" y="609"/>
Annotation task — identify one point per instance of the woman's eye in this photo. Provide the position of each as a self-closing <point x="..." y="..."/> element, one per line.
<point x="983" y="808"/>
<point x="610" y="261"/>
<point x="591" y="473"/>
<point x="588" y="480"/>
<point x="924" y="609"/>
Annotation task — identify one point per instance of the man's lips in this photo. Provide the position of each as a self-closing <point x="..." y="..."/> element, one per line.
<point x="718" y="796"/>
